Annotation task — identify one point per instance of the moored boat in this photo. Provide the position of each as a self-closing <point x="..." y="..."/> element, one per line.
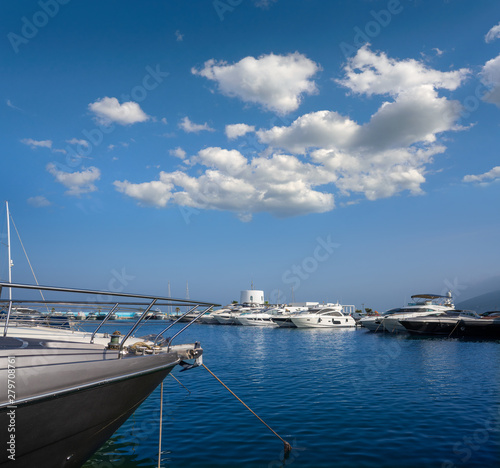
<point x="455" y="324"/>
<point x="66" y="396"/>
<point x="331" y="316"/>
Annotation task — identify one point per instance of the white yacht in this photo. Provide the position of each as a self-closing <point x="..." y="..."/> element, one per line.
<point x="422" y="305"/>
<point x="211" y="318"/>
<point x="284" y="318"/>
<point x="230" y="317"/>
<point x="374" y="322"/>
<point x="258" y="317"/>
<point x="329" y="316"/>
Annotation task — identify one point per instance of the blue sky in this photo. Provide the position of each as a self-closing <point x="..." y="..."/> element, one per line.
<point x="346" y="149"/>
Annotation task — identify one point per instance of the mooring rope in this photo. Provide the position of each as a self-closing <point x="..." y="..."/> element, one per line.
<point x="287" y="446"/>
<point x="161" y="424"/>
<point x="458" y="321"/>
<point x="180" y="383"/>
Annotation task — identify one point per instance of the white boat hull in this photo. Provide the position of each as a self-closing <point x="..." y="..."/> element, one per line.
<point x="323" y="322"/>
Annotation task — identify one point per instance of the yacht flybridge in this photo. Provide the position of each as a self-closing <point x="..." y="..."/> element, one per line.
<point x="421" y="305"/>
<point x="67" y="392"/>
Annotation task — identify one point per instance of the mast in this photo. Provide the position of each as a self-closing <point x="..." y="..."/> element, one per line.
<point x="169" y="308"/>
<point x="10" y="271"/>
<point x="8" y="248"/>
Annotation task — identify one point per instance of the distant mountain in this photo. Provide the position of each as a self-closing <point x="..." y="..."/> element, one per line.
<point x="470" y="289"/>
<point x="482" y="303"/>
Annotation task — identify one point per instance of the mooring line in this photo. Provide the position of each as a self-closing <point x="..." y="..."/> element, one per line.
<point x="180" y="383"/>
<point x="287" y="446"/>
<point x="454" y="328"/>
<point x="161" y="423"/>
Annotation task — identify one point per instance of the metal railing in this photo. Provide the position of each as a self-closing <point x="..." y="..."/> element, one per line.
<point x="154" y="300"/>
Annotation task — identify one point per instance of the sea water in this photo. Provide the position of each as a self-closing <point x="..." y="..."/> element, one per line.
<point x="341" y="398"/>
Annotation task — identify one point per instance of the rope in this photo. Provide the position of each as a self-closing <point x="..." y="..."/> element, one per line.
<point x="458" y="321"/>
<point x="180" y="383"/>
<point x="287" y="446"/>
<point x="161" y="418"/>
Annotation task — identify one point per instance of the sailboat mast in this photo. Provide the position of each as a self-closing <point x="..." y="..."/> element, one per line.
<point x="8" y="248"/>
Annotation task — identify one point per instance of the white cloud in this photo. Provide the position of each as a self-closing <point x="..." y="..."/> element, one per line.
<point x="77" y="183"/>
<point x="190" y="127"/>
<point x="276" y="82"/>
<point x="33" y="144"/>
<point x="153" y="193"/>
<point x="164" y="121"/>
<point x="178" y="153"/>
<point x="76" y="141"/>
<point x="38" y="201"/>
<point x="108" y="110"/>
<point x="237" y="130"/>
<point x="281" y="185"/>
<point x="491" y="176"/>
<point x="493" y="33"/>
<point x="178" y="36"/>
<point x="371" y="73"/>
<point x="324" y="153"/>
<point x="12" y="106"/>
<point x="490" y="76"/>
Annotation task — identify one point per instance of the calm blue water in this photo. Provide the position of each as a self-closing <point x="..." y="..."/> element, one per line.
<point x="343" y="398"/>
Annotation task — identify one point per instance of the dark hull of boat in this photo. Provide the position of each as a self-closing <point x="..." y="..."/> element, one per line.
<point x="284" y="322"/>
<point x="65" y="430"/>
<point x="456" y="329"/>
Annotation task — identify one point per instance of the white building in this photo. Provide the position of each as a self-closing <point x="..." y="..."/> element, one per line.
<point x="252" y="295"/>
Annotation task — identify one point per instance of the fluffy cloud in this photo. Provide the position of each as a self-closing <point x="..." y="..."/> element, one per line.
<point x="371" y="73"/>
<point x="276" y="82"/>
<point x="281" y="185"/>
<point x="178" y="153"/>
<point x="190" y="127"/>
<point x="493" y="33"/>
<point x="153" y="193"/>
<point x="389" y="153"/>
<point x="33" y="144"/>
<point x="490" y="76"/>
<point x="77" y="183"/>
<point x="304" y="163"/>
<point x="109" y="110"/>
<point x="490" y="176"/>
<point x="38" y="201"/>
<point x="238" y="130"/>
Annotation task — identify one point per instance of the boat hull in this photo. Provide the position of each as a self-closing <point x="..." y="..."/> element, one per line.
<point x="474" y="328"/>
<point x="71" y="427"/>
<point x="66" y="399"/>
<point x="284" y="322"/>
<point x="319" y="322"/>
